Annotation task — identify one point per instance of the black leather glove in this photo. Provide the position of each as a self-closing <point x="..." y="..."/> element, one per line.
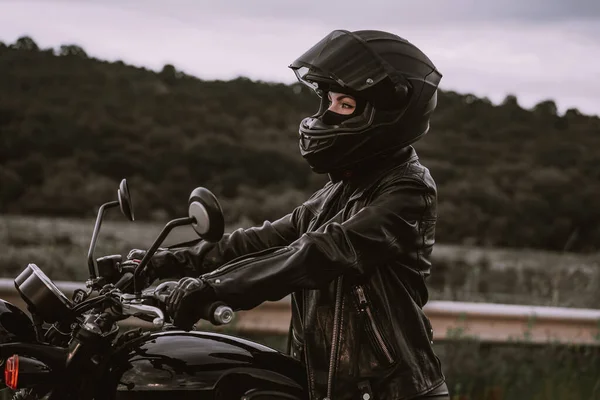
<point x="127" y="269"/>
<point x="152" y="271"/>
<point x="136" y="254"/>
<point x="188" y="302"/>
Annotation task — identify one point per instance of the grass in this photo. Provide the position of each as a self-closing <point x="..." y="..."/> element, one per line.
<point x="474" y="370"/>
<point x="460" y="273"/>
<point x="59" y="245"/>
<point x="481" y="371"/>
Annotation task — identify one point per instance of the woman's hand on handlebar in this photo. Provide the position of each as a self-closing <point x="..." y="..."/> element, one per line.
<point x="127" y="267"/>
<point x="191" y="300"/>
<point x="126" y="270"/>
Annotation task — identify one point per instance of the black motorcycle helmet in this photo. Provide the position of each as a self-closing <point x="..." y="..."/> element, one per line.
<point x="395" y="82"/>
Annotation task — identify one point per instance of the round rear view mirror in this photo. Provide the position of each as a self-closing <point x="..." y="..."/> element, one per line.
<point x="206" y="211"/>
<point x="125" y="200"/>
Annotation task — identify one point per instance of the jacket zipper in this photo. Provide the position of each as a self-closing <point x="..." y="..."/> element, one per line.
<point x="309" y="372"/>
<point x="335" y="337"/>
<point x="364" y="307"/>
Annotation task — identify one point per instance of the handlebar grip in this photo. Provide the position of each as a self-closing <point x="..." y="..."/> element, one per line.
<point x="218" y="313"/>
<point x="124" y="280"/>
<point x="223" y="315"/>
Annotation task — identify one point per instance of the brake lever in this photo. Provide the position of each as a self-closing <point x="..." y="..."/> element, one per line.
<point x="135" y="309"/>
<point x="159" y="293"/>
<point x="132" y="305"/>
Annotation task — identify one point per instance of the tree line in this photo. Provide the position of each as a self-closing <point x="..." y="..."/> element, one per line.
<point x="72" y="126"/>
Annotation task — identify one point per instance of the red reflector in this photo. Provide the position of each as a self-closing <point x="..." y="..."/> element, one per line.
<point x="11" y="371"/>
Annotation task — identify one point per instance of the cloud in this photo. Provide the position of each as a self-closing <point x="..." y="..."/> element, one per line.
<point x="425" y="12"/>
<point x="488" y="54"/>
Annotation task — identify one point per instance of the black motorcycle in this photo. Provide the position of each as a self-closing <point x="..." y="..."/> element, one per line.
<point x="74" y="348"/>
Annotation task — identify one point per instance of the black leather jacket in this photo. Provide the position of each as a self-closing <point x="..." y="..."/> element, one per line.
<point x="355" y="257"/>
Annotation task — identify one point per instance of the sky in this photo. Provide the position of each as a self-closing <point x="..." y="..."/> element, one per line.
<point x="534" y="49"/>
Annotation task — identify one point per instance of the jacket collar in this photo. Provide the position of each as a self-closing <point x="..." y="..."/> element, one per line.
<point x="372" y="167"/>
<point x="359" y="179"/>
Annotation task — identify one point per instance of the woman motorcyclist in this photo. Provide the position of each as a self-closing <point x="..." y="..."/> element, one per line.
<point x="356" y="254"/>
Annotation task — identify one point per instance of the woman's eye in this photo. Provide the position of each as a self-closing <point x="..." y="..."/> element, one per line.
<point x="346" y="105"/>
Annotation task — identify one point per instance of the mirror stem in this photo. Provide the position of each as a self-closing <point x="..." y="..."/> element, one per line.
<point x="163" y="234"/>
<point x="91" y="259"/>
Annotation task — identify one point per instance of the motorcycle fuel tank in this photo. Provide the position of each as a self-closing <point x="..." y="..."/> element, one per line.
<point x="217" y="365"/>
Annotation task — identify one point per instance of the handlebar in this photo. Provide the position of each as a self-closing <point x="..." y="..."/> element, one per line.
<point x="217" y="313"/>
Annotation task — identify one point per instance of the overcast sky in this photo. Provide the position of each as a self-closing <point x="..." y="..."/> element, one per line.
<point x="536" y="49"/>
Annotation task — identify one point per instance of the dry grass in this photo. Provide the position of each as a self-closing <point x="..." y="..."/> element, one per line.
<point x="60" y="245"/>
<point x="461" y="273"/>
<point x="515" y="276"/>
<point x="474" y="370"/>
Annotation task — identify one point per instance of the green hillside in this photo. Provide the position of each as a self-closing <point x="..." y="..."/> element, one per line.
<point x="71" y="127"/>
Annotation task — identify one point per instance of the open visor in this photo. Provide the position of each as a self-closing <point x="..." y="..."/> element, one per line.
<point x="343" y="58"/>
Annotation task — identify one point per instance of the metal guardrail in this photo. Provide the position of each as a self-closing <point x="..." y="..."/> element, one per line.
<point x="496" y="323"/>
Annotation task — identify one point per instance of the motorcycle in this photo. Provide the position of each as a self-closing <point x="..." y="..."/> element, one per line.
<point x="74" y="348"/>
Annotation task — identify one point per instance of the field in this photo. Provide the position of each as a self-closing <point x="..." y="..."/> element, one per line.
<point x="59" y="245"/>
<point x="513" y="276"/>
<point x="474" y="370"/>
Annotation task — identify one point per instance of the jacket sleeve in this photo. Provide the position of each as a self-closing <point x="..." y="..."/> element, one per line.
<point x="204" y="257"/>
<point x="386" y="228"/>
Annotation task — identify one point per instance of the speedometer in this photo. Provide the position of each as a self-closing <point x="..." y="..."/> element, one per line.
<point x="42" y="295"/>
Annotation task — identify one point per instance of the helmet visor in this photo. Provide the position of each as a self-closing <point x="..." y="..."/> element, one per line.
<point x="343" y="58"/>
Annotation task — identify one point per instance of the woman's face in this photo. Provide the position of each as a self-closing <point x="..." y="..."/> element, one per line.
<point x="341" y="103"/>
